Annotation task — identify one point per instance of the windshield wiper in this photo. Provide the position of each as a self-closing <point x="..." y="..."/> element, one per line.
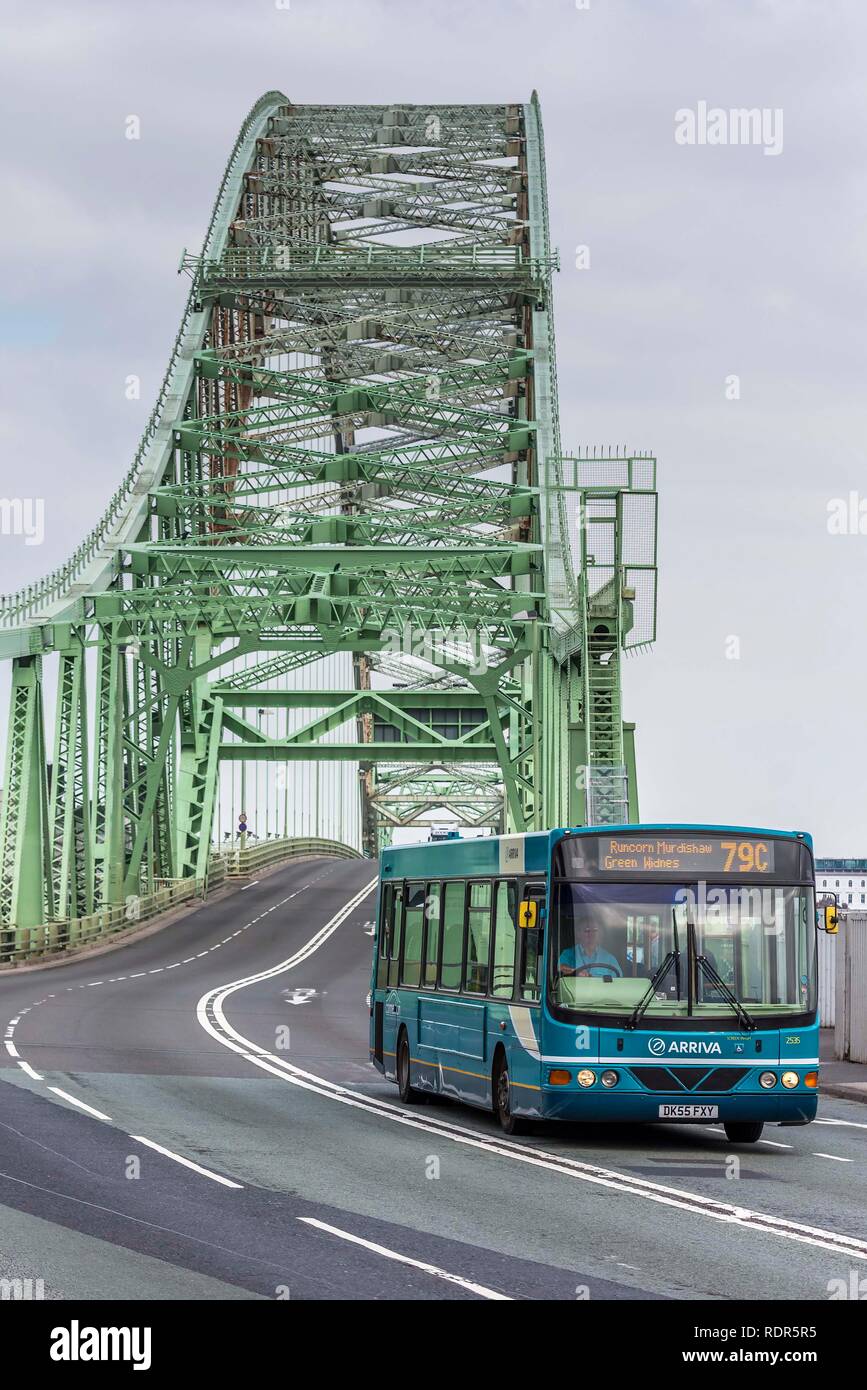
<point x="656" y="978"/>
<point x="715" y="978"/>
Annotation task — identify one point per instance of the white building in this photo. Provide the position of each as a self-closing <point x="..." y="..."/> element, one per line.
<point x="845" y="877"/>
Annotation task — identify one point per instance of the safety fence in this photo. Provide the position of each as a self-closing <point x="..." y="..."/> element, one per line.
<point x="850" y="1006"/>
<point x="827" y="978"/>
<point x="55" y="938"/>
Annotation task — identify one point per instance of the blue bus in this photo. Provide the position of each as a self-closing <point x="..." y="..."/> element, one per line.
<point x="655" y="973"/>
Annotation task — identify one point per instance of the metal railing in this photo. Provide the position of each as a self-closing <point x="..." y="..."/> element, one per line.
<point x="239" y="863"/>
<point x="56" y="938"/>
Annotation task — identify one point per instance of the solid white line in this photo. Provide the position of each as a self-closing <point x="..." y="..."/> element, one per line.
<point x="212" y="1003"/>
<point x="11" y="1049"/>
<point x="187" y="1162"/>
<point x="835" y="1158"/>
<point x="64" y="1095"/>
<point x="438" y="1273"/>
<point x="25" y="1066"/>
<point x="851" y="1124"/>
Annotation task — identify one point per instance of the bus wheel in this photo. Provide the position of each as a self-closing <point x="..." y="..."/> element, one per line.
<point x="502" y="1086"/>
<point x="408" y="1094"/>
<point x="744" y="1131"/>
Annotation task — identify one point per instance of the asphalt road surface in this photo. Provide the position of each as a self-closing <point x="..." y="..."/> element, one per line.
<point x="193" y="1116"/>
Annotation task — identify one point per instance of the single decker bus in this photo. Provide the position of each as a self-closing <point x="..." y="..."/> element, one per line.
<point x="655" y="973"/>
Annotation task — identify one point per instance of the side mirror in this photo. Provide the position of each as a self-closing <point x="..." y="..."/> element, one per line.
<point x="830" y="915"/>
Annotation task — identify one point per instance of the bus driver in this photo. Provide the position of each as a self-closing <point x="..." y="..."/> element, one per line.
<point x="587" y="957"/>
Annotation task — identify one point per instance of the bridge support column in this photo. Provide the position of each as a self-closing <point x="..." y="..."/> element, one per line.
<point x="109" y="839"/>
<point x="200" y="730"/>
<point x="26" y="897"/>
<point x="69" y="806"/>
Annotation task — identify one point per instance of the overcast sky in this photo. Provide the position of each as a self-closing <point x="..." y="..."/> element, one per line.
<point x="706" y="262"/>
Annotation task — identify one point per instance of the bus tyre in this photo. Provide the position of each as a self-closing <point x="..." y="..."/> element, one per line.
<point x="744" y="1131"/>
<point x="502" y="1087"/>
<point x="408" y="1095"/>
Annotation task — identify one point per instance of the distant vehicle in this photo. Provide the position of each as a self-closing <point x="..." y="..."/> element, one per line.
<point x="658" y="973"/>
<point x="441" y="832"/>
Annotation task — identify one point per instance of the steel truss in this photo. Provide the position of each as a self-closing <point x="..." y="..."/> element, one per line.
<point x="356" y="449"/>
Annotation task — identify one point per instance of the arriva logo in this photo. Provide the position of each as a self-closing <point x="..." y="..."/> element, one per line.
<point x="693" y="1049"/>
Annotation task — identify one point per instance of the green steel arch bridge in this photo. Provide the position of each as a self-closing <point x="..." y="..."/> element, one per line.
<point x="355" y="453"/>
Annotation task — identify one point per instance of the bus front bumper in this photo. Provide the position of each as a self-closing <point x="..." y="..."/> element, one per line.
<point x="607" y="1106"/>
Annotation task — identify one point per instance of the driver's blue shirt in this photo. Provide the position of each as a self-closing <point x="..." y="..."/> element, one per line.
<point x="576" y="958"/>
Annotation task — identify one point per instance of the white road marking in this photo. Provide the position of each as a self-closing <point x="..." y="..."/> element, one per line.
<point x="117" y="979"/>
<point x="187" y="1162"/>
<point x="212" y="1018"/>
<point x="383" y="1250"/>
<point x="852" y="1124"/>
<point x="834" y="1157"/>
<point x="64" y="1095"/>
<point x="249" y="885"/>
<point x="775" y="1144"/>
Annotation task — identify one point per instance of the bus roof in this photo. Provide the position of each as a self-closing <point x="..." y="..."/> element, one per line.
<point x="530" y="853"/>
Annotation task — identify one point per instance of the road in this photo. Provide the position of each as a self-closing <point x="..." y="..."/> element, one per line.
<point x="193" y="1116"/>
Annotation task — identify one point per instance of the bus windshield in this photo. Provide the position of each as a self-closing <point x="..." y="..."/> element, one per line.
<point x="609" y="940"/>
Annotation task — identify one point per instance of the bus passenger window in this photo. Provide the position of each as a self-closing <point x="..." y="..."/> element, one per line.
<point x="432" y="913"/>
<point x="478" y="938"/>
<point x="413" y="924"/>
<point x="503" y="981"/>
<point x="386" y="918"/>
<point x="453" y="935"/>
<point x="531" y="944"/>
<point x="394" y="936"/>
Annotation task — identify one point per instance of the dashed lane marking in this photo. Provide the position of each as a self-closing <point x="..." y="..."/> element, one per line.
<point x="468" y="1284"/>
<point x="187" y="1162"/>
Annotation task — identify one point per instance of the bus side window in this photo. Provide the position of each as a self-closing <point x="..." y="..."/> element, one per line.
<point x="386" y="921"/>
<point x="505" y="931"/>
<point x="478" y="938"/>
<point x="394" y="935"/>
<point x="432" y="950"/>
<point x="453" y="935"/>
<point x="531" y="945"/>
<point x="413" y="927"/>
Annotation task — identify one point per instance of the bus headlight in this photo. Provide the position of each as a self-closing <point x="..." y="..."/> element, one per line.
<point x="586" y="1077"/>
<point x="609" y="1078"/>
<point x="768" y="1079"/>
<point x="789" y="1079"/>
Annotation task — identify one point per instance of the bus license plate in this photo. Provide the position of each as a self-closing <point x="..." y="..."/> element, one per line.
<point x="689" y="1112"/>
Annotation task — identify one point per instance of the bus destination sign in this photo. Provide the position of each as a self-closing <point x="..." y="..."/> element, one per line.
<point x="696" y="856"/>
